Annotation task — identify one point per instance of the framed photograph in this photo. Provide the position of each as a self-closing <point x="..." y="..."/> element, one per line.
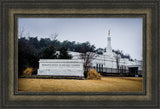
<point x="79" y="54"/>
<point x="59" y="59"/>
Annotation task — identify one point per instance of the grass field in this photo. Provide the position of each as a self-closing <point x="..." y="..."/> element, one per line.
<point x="106" y="84"/>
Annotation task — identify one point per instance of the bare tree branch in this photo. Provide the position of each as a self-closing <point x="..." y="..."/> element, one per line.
<point x="117" y="57"/>
<point x="88" y="57"/>
<point x="54" y="36"/>
<point x="21" y="32"/>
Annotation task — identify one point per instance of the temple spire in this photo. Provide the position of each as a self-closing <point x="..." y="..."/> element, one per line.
<point x="109" y="47"/>
<point x="108" y="32"/>
<point x="109" y="41"/>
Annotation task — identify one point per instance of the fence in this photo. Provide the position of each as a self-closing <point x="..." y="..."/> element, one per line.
<point x="104" y="70"/>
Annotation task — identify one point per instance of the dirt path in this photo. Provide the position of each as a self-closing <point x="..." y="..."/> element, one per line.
<point x="106" y="84"/>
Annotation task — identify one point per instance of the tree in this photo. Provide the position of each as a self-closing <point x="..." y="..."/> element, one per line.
<point x="99" y="51"/>
<point x="64" y="54"/>
<point x="88" y="57"/>
<point x="45" y="42"/>
<point x="49" y="53"/>
<point x="21" y="32"/>
<point x="87" y="54"/>
<point x="27" y="55"/>
<point x="117" y="57"/>
<point x="34" y="41"/>
<point x="54" y="36"/>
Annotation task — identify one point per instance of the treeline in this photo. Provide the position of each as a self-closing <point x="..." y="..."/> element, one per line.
<point x="30" y="50"/>
<point x="122" y="54"/>
<point x="127" y="56"/>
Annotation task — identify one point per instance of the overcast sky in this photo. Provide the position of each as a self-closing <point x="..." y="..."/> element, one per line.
<point x="126" y="33"/>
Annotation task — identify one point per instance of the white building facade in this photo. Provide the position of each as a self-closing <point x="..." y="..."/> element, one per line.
<point x="109" y="59"/>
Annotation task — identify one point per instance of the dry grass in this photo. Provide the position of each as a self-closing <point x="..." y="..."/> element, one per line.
<point x="106" y="84"/>
<point x="28" y="71"/>
<point x="93" y="75"/>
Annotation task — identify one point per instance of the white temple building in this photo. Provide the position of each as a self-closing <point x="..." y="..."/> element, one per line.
<point x="108" y="59"/>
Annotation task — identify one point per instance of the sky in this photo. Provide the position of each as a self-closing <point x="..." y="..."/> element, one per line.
<point x="126" y="33"/>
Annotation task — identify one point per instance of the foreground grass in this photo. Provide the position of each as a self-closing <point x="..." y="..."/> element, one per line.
<point x="106" y="84"/>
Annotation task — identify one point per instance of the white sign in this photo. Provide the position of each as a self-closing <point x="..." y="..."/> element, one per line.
<point x="61" y="67"/>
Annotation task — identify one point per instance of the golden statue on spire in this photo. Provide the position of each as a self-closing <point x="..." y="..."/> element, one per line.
<point x="108" y="32"/>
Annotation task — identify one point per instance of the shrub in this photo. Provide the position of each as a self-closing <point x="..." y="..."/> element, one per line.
<point x="28" y="71"/>
<point x="93" y="74"/>
<point x="34" y="71"/>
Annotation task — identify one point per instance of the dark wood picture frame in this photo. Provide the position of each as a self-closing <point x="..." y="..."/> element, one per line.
<point x="11" y="10"/>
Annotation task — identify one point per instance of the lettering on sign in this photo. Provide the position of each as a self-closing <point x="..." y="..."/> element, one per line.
<point x="59" y="65"/>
